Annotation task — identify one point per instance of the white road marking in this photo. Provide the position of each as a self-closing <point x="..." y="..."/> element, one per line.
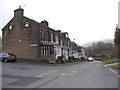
<point x="74" y="71"/>
<point x="43" y="74"/>
<point x="49" y="72"/>
<point x="53" y="71"/>
<point x="39" y="76"/>
<point x="105" y="66"/>
<point x="67" y="74"/>
<point x="113" y="71"/>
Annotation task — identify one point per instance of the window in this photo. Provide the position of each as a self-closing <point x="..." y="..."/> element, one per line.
<point x="51" y="37"/>
<point x="67" y="35"/>
<point x="57" y="39"/>
<point x="10" y="27"/>
<point x="61" y="43"/>
<point x="41" y="35"/>
<point x="41" y="49"/>
<point x="46" y="50"/>
<point x="68" y="43"/>
<point x="55" y="50"/>
<point x="51" y="50"/>
<point x="4" y="54"/>
<point x="26" y="24"/>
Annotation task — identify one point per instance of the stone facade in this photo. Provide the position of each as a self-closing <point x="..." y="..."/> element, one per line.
<point x="32" y="40"/>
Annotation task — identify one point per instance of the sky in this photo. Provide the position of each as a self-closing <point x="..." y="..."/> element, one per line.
<point x="84" y="20"/>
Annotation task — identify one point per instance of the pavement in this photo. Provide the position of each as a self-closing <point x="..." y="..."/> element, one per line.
<point x="76" y="75"/>
<point x="116" y="63"/>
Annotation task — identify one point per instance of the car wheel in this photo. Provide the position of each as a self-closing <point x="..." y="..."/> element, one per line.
<point x="6" y="60"/>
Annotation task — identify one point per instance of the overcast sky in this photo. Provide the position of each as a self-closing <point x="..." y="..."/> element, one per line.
<point x="84" y="20"/>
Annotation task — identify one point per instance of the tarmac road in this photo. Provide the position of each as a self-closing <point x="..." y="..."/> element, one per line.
<point x="76" y="75"/>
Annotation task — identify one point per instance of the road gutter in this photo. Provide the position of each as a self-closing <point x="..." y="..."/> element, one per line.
<point x="113" y="71"/>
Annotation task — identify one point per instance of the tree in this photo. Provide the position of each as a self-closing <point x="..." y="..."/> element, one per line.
<point x="117" y="40"/>
<point x="117" y="37"/>
<point x="99" y="49"/>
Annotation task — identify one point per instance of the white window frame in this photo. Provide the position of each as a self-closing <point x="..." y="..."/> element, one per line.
<point x="57" y="40"/>
<point x="42" y="34"/>
<point x="48" y="50"/>
<point x="44" y="50"/>
<point x="26" y="24"/>
<point x="10" y="27"/>
<point x="51" y="37"/>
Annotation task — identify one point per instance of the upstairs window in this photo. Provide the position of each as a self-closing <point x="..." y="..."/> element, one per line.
<point x="10" y="27"/>
<point x="57" y="40"/>
<point x="68" y="43"/>
<point x="67" y="36"/>
<point x="51" y="37"/>
<point x="26" y="24"/>
<point x="41" y="34"/>
<point x="61" y="42"/>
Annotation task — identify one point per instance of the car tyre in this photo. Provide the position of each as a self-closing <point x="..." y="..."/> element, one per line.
<point x="6" y="60"/>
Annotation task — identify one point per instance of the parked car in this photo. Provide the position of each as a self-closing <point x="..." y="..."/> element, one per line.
<point x="100" y="59"/>
<point x="6" y="57"/>
<point x="90" y="58"/>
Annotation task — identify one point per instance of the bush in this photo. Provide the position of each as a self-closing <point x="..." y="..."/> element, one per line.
<point x="60" y="57"/>
<point x="71" y="57"/>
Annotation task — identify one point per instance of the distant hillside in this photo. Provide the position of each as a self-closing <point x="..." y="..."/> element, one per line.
<point x="108" y="41"/>
<point x="104" y="40"/>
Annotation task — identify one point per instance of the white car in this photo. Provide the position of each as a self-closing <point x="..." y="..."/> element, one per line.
<point x="90" y="59"/>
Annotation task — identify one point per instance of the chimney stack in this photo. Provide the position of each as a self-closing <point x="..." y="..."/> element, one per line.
<point x="18" y="13"/>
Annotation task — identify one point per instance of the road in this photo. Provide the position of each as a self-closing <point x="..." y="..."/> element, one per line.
<point x="76" y="75"/>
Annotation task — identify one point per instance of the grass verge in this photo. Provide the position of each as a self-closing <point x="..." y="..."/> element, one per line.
<point x="111" y="60"/>
<point x="114" y="66"/>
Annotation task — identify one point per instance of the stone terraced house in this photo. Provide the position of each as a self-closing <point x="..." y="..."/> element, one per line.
<point x="31" y="40"/>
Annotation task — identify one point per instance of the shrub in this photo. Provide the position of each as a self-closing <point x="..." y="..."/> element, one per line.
<point x="60" y="57"/>
<point x="71" y="57"/>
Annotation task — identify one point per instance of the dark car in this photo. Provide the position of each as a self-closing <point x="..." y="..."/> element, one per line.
<point x="99" y="59"/>
<point x="6" y="57"/>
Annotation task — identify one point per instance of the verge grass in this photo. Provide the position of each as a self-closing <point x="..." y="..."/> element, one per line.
<point x="115" y="66"/>
<point x="111" y="60"/>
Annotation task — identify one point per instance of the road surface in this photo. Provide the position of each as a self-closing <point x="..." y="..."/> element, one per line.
<point x="76" y="75"/>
